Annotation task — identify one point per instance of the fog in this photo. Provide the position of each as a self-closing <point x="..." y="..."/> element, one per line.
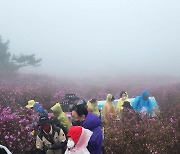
<point x="78" y="38"/>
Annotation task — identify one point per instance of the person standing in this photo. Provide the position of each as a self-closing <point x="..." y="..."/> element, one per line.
<point x="78" y="138"/>
<point x="109" y="112"/>
<point x="123" y="98"/>
<point x="50" y="139"/>
<point x="93" y="107"/>
<point x="90" y="121"/>
<point x="60" y="115"/>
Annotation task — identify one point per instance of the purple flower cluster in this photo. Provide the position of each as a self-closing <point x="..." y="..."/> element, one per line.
<point x="130" y="134"/>
<point x="135" y="133"/>
<point x="15" y="130"/>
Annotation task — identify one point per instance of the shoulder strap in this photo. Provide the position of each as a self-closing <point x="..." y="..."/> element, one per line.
<point x="40" y="135"/>
<point x="49" y="137"/>
<point x="56" y="129"/>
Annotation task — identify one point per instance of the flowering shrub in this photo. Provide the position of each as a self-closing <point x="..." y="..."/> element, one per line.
<point x="16" y="128"/>
<point x="131" y="134"/>
<point x="135" y="133"/>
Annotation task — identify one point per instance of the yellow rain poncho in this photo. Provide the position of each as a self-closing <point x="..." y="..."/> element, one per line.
<point x="109" y="112"/>
<point x="124" y="98"/>
<point x="93" y="108"/>
<point x="60" y="115"/>
<point x="119" y="106"/>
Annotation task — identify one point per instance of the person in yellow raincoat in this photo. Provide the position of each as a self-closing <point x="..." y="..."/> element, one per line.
<point x="123" y="98"/>
<point x="92" y="107"/>
<point x="109" y="111"/>
<point x="60" y="115"/>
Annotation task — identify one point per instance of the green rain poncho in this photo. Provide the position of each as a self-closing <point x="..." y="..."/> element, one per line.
<point x="60" y="115"/>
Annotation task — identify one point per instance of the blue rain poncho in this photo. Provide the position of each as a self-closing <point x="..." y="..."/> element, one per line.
<point x="39" y="109"/>
<point x="143" y="103"/>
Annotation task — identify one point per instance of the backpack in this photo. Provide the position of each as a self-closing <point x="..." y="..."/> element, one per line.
<point x="49" y="137"/>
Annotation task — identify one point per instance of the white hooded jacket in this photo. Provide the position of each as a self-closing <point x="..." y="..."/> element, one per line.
<point x="80" y="147"/>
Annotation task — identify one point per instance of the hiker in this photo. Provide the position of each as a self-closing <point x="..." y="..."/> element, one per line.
<point x="39" y="109"/>
<point x="57" y="123"/>
<point x="93" y="107"/>
<point x="50" y="139"/>
<point x="127" y="105"/>
<point x="78" y="138"/>
<point x="109" y="112"/>
<point x="73" y="101"/>
<point x="143" y="104"/>
<point x="30" y="104"/>
<point x="35" y="116"/>
<point x="90" y="121"/>
<point x="36" y="107"/>
<point x="60" y="115"/>
<point x="83" y="102"/>
<point x="123" y="98"/>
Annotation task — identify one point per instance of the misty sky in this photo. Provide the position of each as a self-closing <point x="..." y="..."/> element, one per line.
<point x="83" y="37"/>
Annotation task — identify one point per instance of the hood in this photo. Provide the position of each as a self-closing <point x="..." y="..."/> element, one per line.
<point x="144" y="94"/>
<point x="56" y="109"/>
<point x="92" y="121"/>
<point x="30" y="104"/>
<point x="75" y="133"/>
<point x="84" y="138"/>
<point x="36" y="106"/>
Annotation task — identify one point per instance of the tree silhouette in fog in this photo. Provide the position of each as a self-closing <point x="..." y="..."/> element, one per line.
<point x="10" y="63"/>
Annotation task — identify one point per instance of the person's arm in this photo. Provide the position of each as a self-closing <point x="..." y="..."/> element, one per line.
<point x="119" y="105"/>
<point x="39" y="145"/>
<point x="58" y="145"/>
<point x="135" y="103"/>
<point x="95" y="139"/>
<point x="38" y="151"/>
<point x="114" y="110"/>
<point x="106" y="111"/>
<point x="62" y="141"/>
<point x="65" y="130"/>
<point x="64" y="121"/>
<point x="150" y="107"/>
